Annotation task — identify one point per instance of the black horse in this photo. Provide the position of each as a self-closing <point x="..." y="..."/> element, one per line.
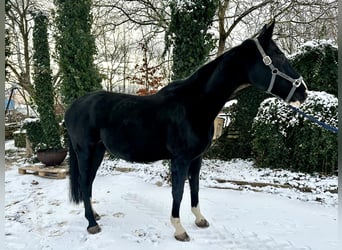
<point x="175" y="123"/>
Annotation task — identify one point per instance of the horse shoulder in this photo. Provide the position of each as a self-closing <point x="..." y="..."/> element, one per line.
<point x="187" y="135"/>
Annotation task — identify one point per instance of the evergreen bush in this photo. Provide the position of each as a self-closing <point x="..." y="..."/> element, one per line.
<point x="44" y="94"/>
<point x="317" y="62"/>
<point x="34" y="133"/>
<point x="188" y="35"/>
<point x="76" y="48"/>
<point x="284" y="139"/>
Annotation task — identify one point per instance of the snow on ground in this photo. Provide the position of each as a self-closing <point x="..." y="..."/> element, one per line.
<point x="134" y="201"/>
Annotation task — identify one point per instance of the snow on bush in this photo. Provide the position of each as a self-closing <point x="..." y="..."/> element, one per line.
<point x="317" y="62"/>
<point x="313" y="44"/>
<point x="321" y="105"/>
<point x="284" y="139"/>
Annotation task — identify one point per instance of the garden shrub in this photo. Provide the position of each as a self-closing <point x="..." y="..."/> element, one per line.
<point x="284" y="139"/>
<point x="37" y="137"/>
<point x="317" y="62"/>
<point x="43" y="86"/>
<point x="34" y="133"/>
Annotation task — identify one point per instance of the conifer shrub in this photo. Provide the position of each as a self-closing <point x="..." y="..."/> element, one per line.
<point x="284" y="139"/>
<point x="43" y="86"/>
<point x="317" y="62"/>
<point x="34" y="133"/>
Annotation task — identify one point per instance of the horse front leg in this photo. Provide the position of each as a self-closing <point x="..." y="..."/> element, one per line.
<point x="194" y="171"/>
<point x="178" y="173"/>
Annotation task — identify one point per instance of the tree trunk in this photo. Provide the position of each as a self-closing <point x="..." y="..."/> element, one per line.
<point x="222" y="33"/>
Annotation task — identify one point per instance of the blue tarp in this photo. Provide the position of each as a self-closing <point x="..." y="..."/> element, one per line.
<point x="11" y="105"/>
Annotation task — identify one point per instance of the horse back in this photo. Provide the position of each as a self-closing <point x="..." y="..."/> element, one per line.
<point x="131" y="127"/>
<point x="136" y="128"/>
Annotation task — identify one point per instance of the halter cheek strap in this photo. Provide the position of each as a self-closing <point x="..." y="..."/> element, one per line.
<point x="275" y="72"/>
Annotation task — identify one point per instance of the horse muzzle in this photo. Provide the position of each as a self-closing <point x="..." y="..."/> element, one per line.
<point x="298" y="93"/>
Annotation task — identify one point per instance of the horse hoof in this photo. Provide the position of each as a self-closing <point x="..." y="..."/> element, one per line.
<point x="202" y="223"/>
<point x="94" y="230"/>
<point x="183" y="237"/>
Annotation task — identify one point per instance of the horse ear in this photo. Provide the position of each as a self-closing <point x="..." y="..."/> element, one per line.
<point x="266" y="32"/>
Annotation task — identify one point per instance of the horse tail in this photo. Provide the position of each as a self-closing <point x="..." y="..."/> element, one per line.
<point x="74" y="173"/>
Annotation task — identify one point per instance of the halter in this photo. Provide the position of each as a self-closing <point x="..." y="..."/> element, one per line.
<point x="268" y="62"/>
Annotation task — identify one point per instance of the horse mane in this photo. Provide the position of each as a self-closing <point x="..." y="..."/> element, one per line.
<point x="201" y="75"/>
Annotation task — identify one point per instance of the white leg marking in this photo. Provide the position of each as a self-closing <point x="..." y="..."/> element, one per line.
<point x="177" y="225"/>
<point x="197" y="212"/>
<point x="180" y="233"/>
<point x="200" y="220"/>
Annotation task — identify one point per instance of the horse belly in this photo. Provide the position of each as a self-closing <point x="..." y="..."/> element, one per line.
<point x="138" y="149"/>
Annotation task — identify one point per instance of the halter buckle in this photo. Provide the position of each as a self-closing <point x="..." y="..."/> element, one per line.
<point x="297" y="82"/>
<point x="267" y="60"/>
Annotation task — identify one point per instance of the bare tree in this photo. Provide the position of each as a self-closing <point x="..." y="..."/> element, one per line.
<point x="19" y="23"/>
<point x="113" y="56"/>
<point x="298" y="20"/>
<point x="119" y="27"/>
<point x="228" y="23"/>
<point x="136" y="12"/>
<point x="308" y="20"/>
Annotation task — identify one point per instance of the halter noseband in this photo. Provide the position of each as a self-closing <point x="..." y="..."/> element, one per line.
<point x="268" y="62"/>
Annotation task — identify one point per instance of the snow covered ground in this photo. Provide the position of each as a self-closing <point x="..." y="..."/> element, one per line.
<point x="247" y="208"/>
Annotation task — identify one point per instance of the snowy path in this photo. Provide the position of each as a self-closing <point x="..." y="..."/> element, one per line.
<point x="135" y="215"/>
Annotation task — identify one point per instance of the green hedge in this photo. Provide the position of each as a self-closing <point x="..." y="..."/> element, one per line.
<point x="34" y="133"/>
<point x="317" y="62"/>
<point x="284" y="139"/>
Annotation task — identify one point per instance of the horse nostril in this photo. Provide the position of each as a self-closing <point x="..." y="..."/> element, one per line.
<point x="296" y="104"/>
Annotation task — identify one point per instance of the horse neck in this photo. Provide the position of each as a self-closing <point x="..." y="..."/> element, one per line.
<point x="226" y="77"/>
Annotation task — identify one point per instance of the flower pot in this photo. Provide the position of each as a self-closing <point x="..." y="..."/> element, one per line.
<point x="52" y="157"/>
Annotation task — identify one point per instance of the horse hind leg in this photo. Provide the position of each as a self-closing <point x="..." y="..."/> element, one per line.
<point x="194" y="170"/>
<point x="96" y="160"/>
<point x="88" y="165"/>
<point x="85" y="185"/>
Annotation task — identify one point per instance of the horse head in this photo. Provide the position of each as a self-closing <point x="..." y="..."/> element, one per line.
<point x="273" y="72"/>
